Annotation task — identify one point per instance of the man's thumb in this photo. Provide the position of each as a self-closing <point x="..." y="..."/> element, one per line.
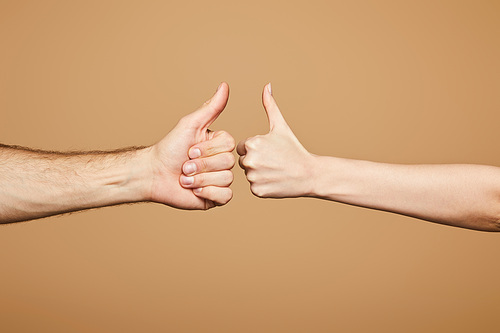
<point x="212" y="108"/>
<point x="274" y="115"/>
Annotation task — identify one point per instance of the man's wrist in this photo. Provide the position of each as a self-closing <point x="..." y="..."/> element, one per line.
<point x="138" y="184"/>
<point x="126" y="176"/>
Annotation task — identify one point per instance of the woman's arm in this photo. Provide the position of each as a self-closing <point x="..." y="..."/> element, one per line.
<point x="466" y="196"/>
<point x="278" y="166"/>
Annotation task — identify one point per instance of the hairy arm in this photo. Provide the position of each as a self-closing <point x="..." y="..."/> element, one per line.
<point x="36" y="183"/>
<point x="278" y="166"/>
<point x="190" y="168"/>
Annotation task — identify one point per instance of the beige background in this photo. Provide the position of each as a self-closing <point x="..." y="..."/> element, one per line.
<point x="393" y="81"/>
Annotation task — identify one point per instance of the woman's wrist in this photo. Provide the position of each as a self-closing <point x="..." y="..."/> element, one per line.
<point x="330" y="178"/>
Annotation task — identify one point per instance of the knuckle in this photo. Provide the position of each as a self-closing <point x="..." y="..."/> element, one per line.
<point x="258" y="139"/>
<point x="223" y="134"/>
<point x="227" y="196"/>
<point x="257" y="190"/>
<point x="248" y="163"/>
<point x="224" y="143"/>
<point x="229" y="160"/>
<point x="232" y="160"/>
<point x="229" y="141"/>
<point x="254" y="142"/>
<point x="229" y="177"/>
<point x="199" y="180"/>
<point x="208" y="149"/>
<point x="202" y="165"/>
<point x="250" y="144"/>
<point x="251" y="177"/>
<point x="212" y="148"/>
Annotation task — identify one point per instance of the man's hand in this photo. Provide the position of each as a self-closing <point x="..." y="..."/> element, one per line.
<point x="205" y="158"/>
<point x="36" y="183"/>
<point x="276" y="164"/>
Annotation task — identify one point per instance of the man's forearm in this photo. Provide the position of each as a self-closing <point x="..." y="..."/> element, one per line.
<point x="36" y="184"/>
<point x="460" y="195"/>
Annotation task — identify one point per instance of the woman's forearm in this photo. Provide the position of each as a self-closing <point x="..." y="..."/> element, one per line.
<point x="460" y="195"/>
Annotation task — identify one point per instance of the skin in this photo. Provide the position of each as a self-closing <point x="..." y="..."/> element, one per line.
<point x="35" y="183"/>
<point x="278" y="166"/>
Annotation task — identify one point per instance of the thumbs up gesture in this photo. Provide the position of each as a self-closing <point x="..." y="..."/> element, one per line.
<point x="276" y="164"/>
<point x="192" y="165"/>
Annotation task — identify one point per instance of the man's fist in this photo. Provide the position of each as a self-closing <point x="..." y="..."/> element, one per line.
<point x="205" y="158"/>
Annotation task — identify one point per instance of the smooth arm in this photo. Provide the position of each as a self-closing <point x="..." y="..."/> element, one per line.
<point x="278" y="166"/>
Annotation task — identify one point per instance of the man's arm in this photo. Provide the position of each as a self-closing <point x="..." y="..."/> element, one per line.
<point x="35" y="183"/>
<point x="278" y="166"/>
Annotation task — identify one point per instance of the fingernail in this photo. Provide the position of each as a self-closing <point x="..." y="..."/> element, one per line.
<point x="187" y="180"/>
<point x="197" y="190"/>
<point x="195" y="153"/>
<point x="269" y="88"/>
<point x="220" y="85"/>
<point x="189" y="168"/>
